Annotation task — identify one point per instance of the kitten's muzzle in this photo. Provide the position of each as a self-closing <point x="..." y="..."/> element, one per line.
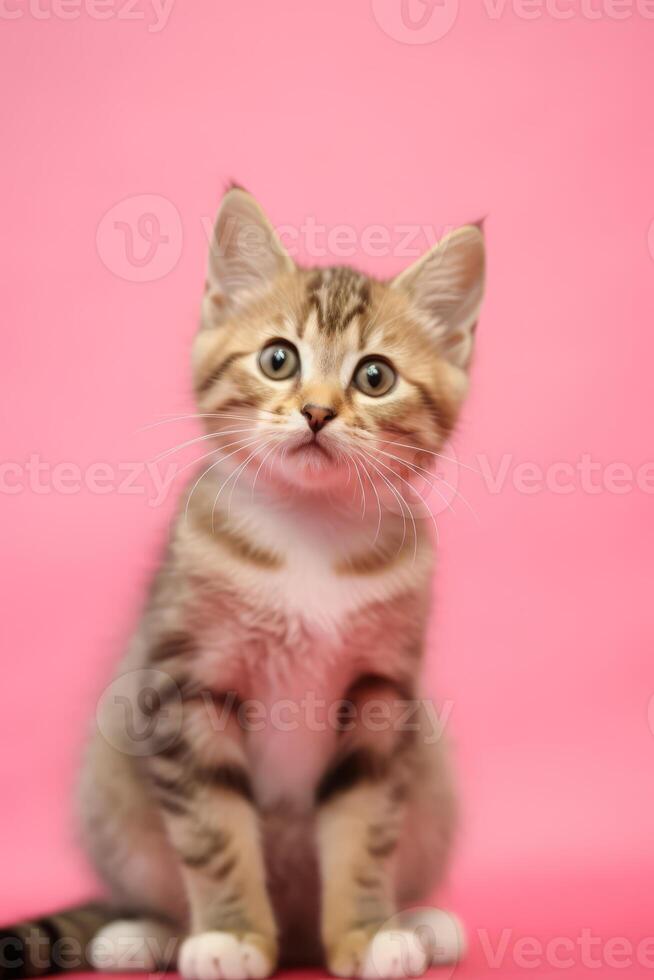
<point x="317" y="416"/>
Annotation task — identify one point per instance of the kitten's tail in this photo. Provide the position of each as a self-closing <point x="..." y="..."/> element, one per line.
<point x="52" y="943"/>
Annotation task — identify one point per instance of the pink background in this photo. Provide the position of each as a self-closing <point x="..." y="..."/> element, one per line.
<point x="543" y="627"/>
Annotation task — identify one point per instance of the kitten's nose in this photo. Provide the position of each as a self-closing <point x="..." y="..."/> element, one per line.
<point x="317" y="416"/>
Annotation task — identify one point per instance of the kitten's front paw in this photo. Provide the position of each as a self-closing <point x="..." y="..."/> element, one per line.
<point x="226" y="956"/>
<point x="385" y="955"/>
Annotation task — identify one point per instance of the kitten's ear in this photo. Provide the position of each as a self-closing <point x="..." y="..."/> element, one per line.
<point x="446" y="287"/>
<point x="245" y="254"/>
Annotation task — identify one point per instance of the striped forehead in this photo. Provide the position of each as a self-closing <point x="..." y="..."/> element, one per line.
<point x="337" y="301"/>
<point x="337" y="296"/>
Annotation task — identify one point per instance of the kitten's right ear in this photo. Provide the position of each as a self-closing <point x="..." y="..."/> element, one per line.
<point x="445" y="288"/>
<point x="245" y="256"/>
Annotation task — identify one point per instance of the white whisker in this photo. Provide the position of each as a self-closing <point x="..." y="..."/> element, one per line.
<point x="256" y="475"/>
<point x="208" y="435"/>
<point x="403" y="505"/>
<point x="402" y="498"/>
<point x="240" y="473"/>
<point x="213" y="465"/>
<point x="457" y="493"/>
<point x="413" y="490"/>
<point x="210" y="415"/>
<point x="419" y="471"/>
<point x="212" y="452"/>
<point x="430" y="452"/>
<point x="379" y="507"/>
<point x="363" y="492"/>
<point x="237" y="472"/>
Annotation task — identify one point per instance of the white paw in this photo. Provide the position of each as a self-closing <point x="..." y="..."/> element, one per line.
<point x="439" y="932"/>
<point x="222" y="956"/>
<point x="131" y="944"/>
<point x="394" y="954"/>
<point x="444" y="937"/>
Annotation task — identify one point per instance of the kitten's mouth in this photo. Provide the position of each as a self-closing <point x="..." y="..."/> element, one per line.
<point x="312" y="461"/>
<point x="311" y="447"/>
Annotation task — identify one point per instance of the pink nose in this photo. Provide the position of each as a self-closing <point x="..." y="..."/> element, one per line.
<point x="317" y="416"/>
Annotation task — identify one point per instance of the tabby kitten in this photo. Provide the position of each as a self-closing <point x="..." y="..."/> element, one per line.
<point x="253" y="793"/>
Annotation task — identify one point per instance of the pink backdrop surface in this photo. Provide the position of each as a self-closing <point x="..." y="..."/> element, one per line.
<point x="120" y="126"/>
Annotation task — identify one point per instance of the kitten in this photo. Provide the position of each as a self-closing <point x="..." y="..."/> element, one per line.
<point x="254" y="793"/>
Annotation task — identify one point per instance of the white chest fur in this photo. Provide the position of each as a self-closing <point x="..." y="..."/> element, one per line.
<point x="311" y="583"/>
<point x="290" y="643"/>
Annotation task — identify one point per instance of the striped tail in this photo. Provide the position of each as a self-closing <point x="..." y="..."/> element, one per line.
<point x="52" y="943"/>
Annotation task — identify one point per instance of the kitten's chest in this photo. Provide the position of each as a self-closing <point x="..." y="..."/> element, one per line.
<point x="290" y="750"/>
<point x="289" y="675"/>
<point x="290" y="643"/>
<point x="316" y="596"/>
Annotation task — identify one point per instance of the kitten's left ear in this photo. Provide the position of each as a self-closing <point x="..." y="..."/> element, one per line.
<point x="245" y="254"/>
<point x="446" y="287"/>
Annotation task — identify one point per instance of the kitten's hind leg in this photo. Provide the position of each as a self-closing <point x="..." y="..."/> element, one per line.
<point x="127" y="945"/>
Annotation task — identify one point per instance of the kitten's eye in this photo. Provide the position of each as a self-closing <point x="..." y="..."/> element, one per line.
<point x="374" y="378"/>
<point x="279" y="360"/>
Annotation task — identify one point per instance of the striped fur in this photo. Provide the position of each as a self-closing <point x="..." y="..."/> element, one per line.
<point x="52" y="943"/>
